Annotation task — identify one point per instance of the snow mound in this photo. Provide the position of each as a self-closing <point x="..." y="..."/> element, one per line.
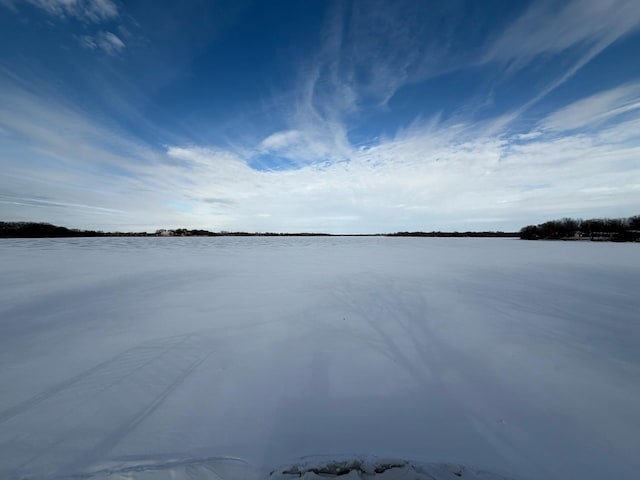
<point x="379" y="469"/>
<point x="309" y="468"/>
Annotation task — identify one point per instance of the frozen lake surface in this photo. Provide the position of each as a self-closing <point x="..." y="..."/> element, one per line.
<point x="521" y="358"/>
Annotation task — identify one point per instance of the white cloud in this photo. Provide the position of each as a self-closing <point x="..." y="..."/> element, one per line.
<point x="586" y="26"/>
<point x="87" y="10"/>
<point x="368" y="50"/>
<point x="429" y="176"/>
<point x="105" y="41"/>
<point x="525" y="137"/>
<point x="371" y="49"/>
<point x="317" y="143"/>
<point x="551" y="27"/>
<point x="595" y="109"/>
<point x="282" y="140"/>
<point x="422" y="182"/>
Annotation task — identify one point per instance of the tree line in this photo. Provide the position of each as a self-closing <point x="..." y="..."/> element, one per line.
<point x="453" y="234"/>
<point x="597" y="229"/>
<point x="47" y="230"/>
<point x="601" y="229"/>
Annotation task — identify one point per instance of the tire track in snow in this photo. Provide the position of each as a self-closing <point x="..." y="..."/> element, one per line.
<point x="50" y="392"/>
<point x="130" y="367"/>
<point x="46" y="394"/>
<point x="419" y="349"/>
<point x="107" y="444"/>
<point x="77" y="426"/>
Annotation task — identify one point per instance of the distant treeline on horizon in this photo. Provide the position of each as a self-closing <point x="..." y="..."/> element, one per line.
<point x="607" y="229"/>
<point x="46" y="230"/>
<point x="596" y="229"/>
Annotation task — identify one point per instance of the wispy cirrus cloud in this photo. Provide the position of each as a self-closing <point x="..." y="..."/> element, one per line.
<point x="368" y="50"/>
<point x="595" y="109"/>
<point x="371" y="49"/>
<point x="106" y="41"/>
<point x="584" y="27"/>
<point x="549" y="27"/>
<point x="94" y="11"/>
<point x="368" y="53"/>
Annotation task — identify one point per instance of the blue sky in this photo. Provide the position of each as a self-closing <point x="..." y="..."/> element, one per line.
<point x="342" y="117"/>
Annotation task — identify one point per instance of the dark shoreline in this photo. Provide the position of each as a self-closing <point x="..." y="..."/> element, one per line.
<point x="577" y="229"/>
<point x="45" y="230"/>
<point x="596" y="230"/>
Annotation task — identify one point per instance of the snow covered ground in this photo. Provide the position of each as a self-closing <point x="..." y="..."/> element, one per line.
<point x="125" y="355"/>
